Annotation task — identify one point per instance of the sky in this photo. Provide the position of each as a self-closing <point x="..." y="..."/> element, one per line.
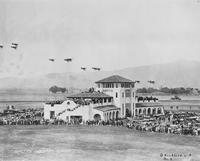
<point x="111" y="34"/>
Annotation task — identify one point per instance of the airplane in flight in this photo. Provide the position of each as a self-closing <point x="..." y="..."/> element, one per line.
<point x="14" y="46"/>
<point x="83" y="68"/>
<point x="52" y="60"/>
<point x="96" y="68"/>
<point x="68" y="59"/>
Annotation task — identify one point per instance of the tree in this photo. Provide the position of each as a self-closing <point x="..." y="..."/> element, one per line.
<point x="165" y="90"/>
<point x="55" y="89"/>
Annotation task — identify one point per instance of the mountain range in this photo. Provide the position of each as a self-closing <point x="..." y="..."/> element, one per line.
<point x="175" y="74"/>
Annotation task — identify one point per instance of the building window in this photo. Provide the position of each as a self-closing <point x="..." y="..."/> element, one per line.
<point x="109" y="85"/>
<point x="125" y="85"/>
<point x="116" y="85"/>
<point x="128" y="105"/>
<point x="116" y="94"/>
<point x="52" y="114"/>
<point x="127" y="93"/>
<point x="122" y="94"/>
<point x="98" y="85"/>
<point x="128" y="85"/>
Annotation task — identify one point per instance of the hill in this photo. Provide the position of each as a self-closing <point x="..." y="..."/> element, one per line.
<point x="176" y="74"/>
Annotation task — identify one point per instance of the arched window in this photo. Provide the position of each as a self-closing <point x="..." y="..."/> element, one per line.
<point x="116" y="94"/>
<point x="113" y="115"/>
<point x="149" y="111"/>
<point x="110" y="116"/>
<point x="144" y="111"/>
<point x="154" y="111"/>
<point x="97" y="117"/>
<point x="136" y="112"/>
<point x="159" y="111"/>
<point x="140" y="111"/>
<point x="117" y="115"/>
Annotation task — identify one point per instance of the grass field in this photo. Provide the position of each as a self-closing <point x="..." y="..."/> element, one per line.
<point x="82" y="143"/>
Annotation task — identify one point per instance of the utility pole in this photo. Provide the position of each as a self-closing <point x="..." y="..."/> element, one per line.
<point x="134" y="101"/>
<point x="151" y="82"/>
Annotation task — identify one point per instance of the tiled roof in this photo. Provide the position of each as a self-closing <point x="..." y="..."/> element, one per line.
<point x="106" y="108"/>
<point x="181" y="103"/>
<point x="90" y="95"/>
<point x="114" y="79"/>
<point x="148" y="104"/>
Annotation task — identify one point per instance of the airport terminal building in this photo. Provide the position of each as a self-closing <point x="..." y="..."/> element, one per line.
<point x="109" y="101"/>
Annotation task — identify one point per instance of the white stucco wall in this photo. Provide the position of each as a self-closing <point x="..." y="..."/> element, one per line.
<point x="87" y="111"/>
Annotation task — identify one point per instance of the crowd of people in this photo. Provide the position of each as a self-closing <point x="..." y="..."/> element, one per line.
<point x="182" y="123"/>
<point x="12" y="116"/>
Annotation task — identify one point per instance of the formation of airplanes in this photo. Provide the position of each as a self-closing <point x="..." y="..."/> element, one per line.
<point x="15" y="46"/>
<point x="70" y="60"/>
